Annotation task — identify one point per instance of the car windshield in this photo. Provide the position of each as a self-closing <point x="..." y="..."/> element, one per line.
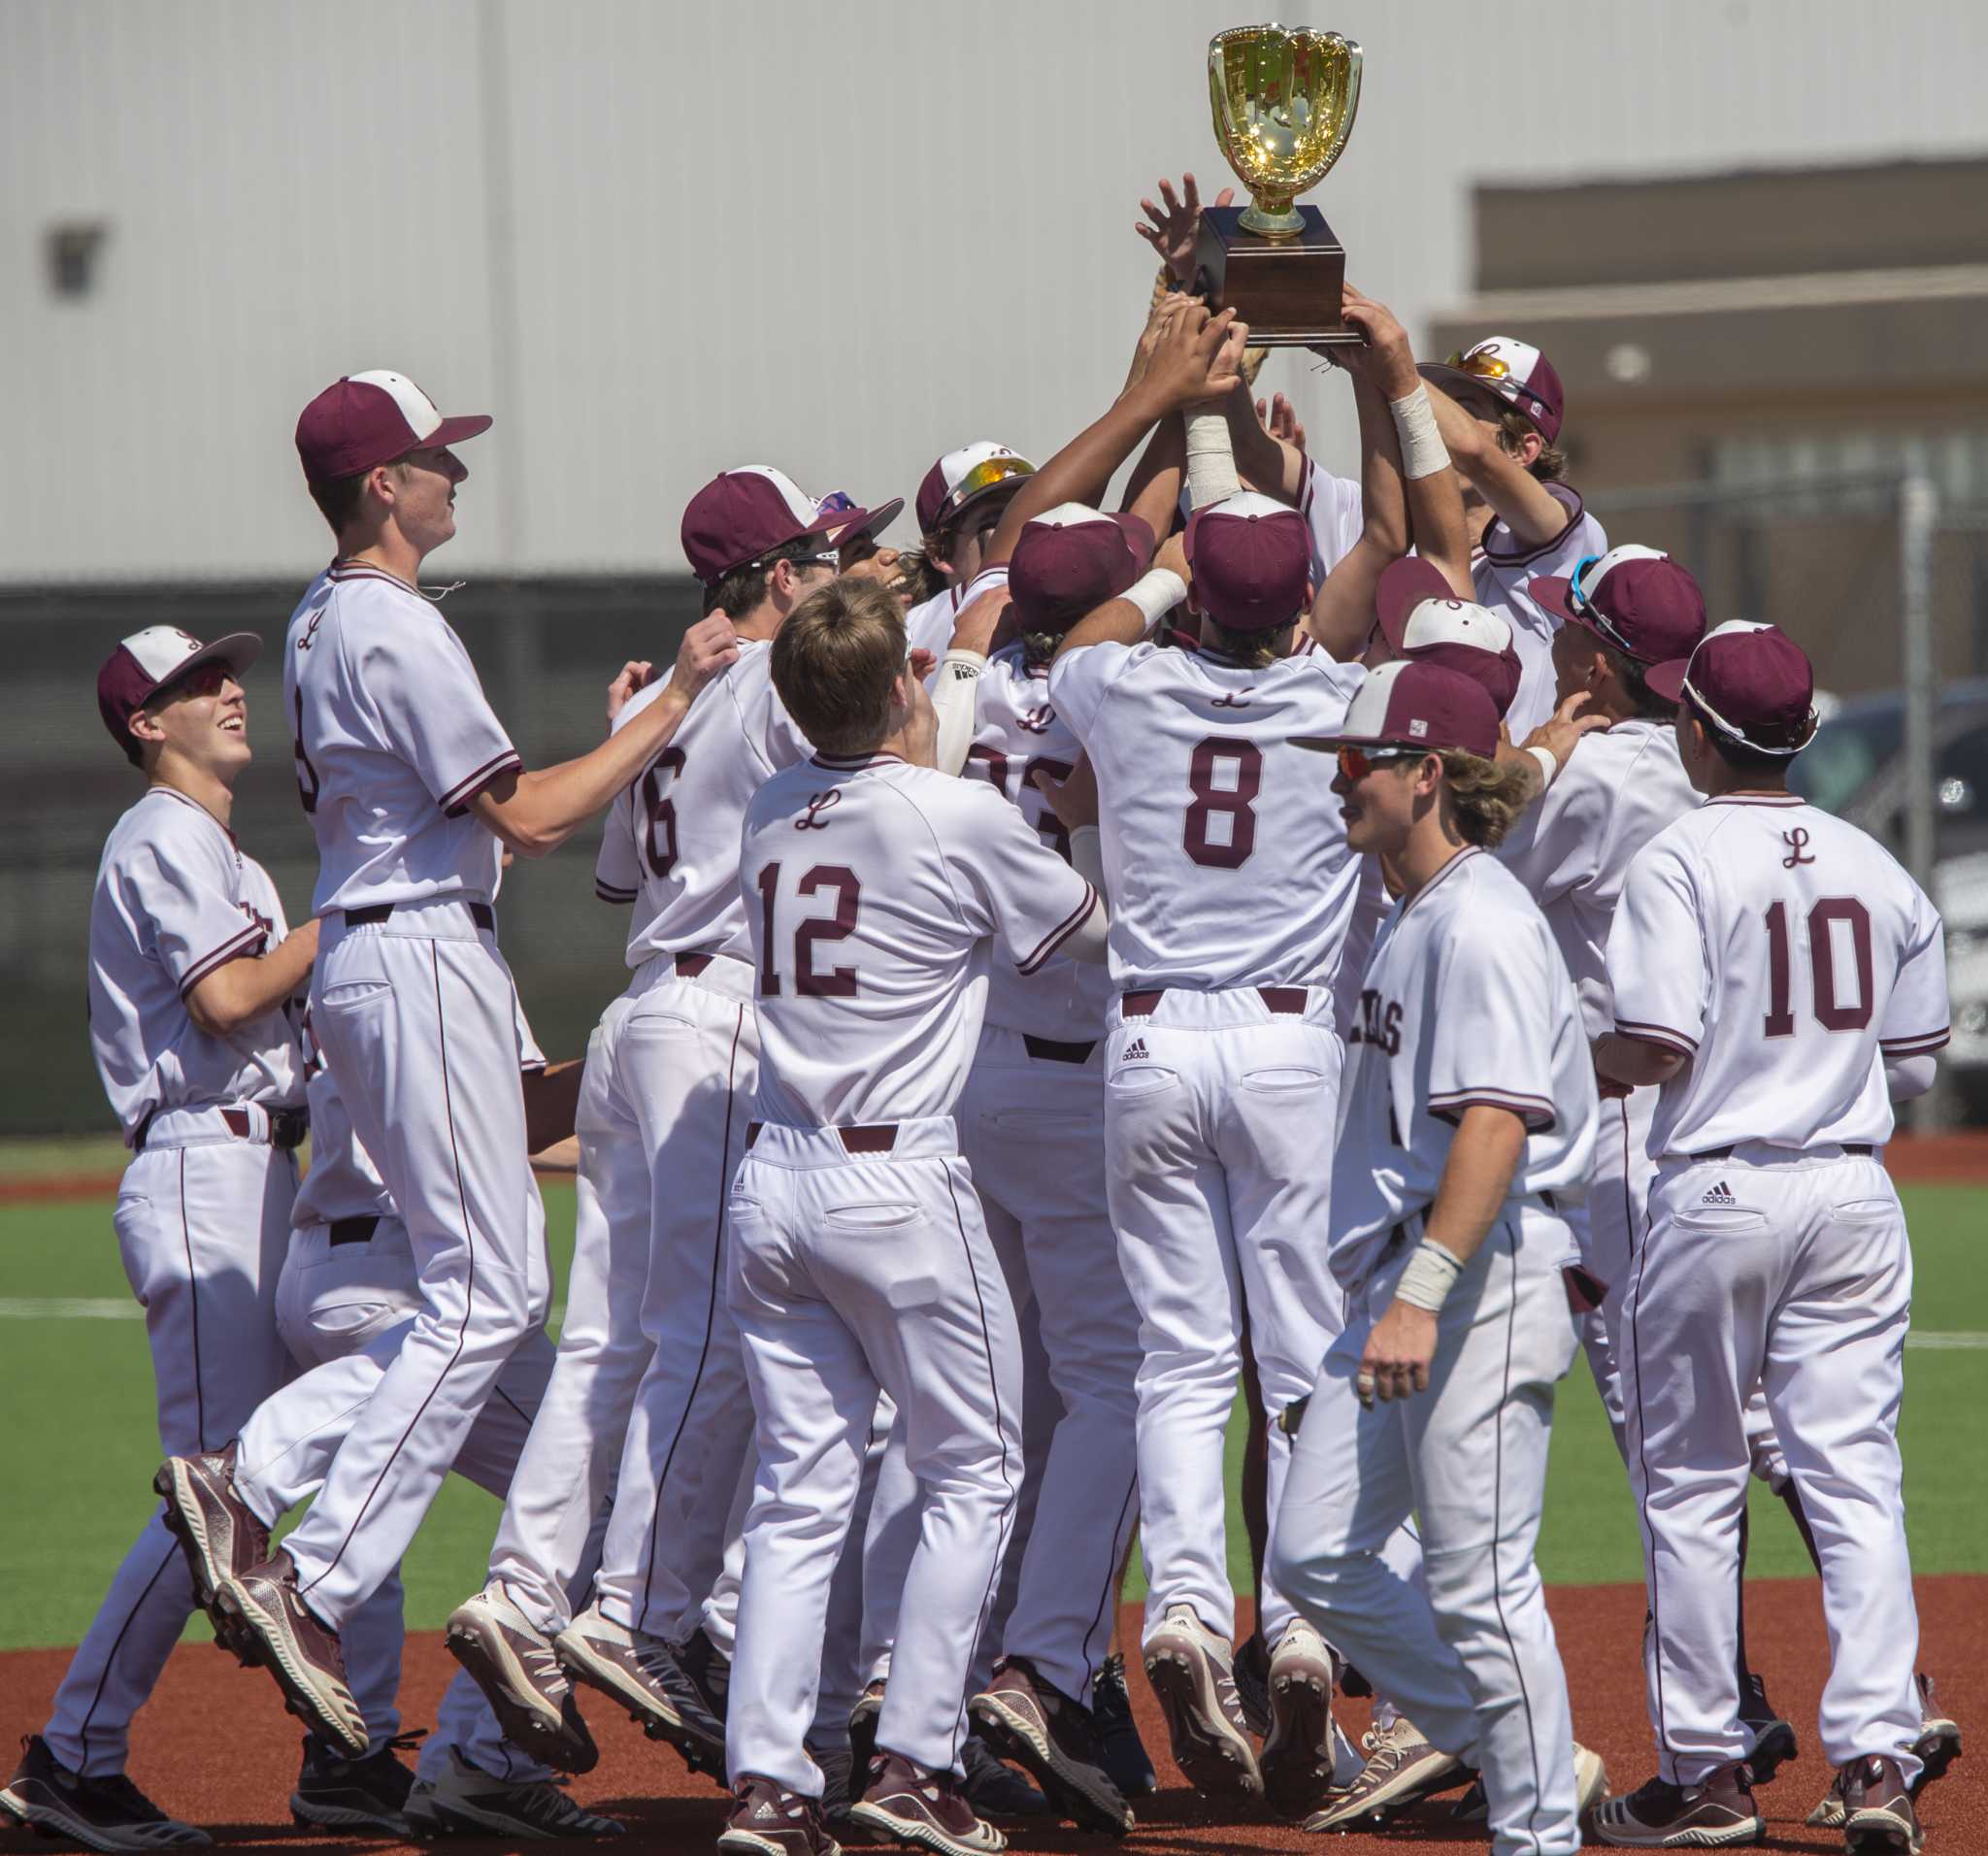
<point x="1853" y="768"/>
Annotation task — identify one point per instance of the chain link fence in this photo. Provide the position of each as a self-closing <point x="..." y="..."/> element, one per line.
<point x="1828" y="557"/>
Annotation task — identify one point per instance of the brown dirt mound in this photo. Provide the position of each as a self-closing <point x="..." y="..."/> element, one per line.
<point x="216" y="1748"/>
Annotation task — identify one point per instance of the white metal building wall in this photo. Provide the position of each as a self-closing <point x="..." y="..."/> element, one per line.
<point x="656" y="238"/>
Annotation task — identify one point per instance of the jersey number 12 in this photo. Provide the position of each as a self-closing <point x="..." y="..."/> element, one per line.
<point x="810" y="981"/>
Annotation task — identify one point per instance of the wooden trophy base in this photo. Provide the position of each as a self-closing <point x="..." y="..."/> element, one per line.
<point x="1288" y="290"/>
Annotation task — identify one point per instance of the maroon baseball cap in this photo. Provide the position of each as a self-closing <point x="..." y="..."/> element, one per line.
<point x="1421" y="617"/>
<point x="746" y="512"/>
<point x="969" y="475"/>
<point x="364" y="419"/>
<point x="1423" y="706"/>
<point x="1514" y="372"/>
<point x="1749" y="682"/>
<point x="865" y="523"/>
<point x="1251" y="561"/>
<point x="1637" y="600"/>
<point x="153" y="660"/>
<point x="1069" y="561"/>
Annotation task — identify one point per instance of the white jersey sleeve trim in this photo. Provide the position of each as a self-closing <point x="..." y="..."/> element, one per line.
<point x="228" y="950"/>
<point x="1062" y="932"/>
<point x="457" y="800"/>
<point x="1535" y="1111"/>
<point x="1918" y="1046"/>
<point x="608" y="893"/>
<point x="1678" y="1041"/>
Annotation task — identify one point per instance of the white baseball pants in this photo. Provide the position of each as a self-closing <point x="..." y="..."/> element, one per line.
<point x="854" y="1273"/>
<point x="202" y="1220"/>
<point x="354" y="1302"/>
<point x="418" y="1017"/>
<point x="1219" y="1113"/>
<point x="1791" y="1271"/>
<point x="1474" y="1662"/>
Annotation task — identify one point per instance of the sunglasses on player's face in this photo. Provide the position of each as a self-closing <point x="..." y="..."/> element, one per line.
<point x="206" y="681"/>
<point x="1356" y="763"/>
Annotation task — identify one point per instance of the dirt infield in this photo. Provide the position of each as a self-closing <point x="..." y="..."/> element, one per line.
<point x="216" y="1748"/>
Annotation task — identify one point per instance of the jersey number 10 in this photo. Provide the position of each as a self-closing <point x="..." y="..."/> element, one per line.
<point x="1831" y="1013"/>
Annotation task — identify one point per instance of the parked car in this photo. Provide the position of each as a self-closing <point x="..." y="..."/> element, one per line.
<point x="1855" y="768"/>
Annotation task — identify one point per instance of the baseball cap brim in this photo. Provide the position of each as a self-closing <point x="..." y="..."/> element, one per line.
<point x="1404" y="585"/>
<point x="1004" y="488"/>
<point x="1666" y="679"/>
<point x="454" y="431"/>
<point x="863" y="523"/>
<point x="1456" y="380"/>
<point x="238" y="650"/>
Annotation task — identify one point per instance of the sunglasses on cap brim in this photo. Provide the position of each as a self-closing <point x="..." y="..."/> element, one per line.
<point x="988" y="475"/>
<point x="1577" y="598"/>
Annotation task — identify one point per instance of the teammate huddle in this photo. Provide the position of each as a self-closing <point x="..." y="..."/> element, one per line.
<point x="1120" y="976"/>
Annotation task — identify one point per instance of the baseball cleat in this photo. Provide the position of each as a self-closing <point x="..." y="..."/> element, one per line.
<point x="863" y="1719"/>
<point x="263" y="1608"/>
<point x="353" y="1794"/>
<point x="995" y="1790"/>
<point x="221" y="1534"/>
<point x="1025" y="1717"/>
<point x="1402" y="1767"/>
<point x="1122" y="1753"/>
<point x="1773" y="1740"/>
<point x="1717" y="1815"/>
<point x="767" y="1820"/>
<point x="923" y="1809"/>
<point x="1830" y="1814"/>
<point x="639" y="1671"/>
<point x="1878" y="1818"/>
<point x="107" y="1812"/>
<point x="466" y="1801"/>
<point x="1305" y="1757"/>
<point x="1250" y="1667"/>
<point x="516" y="1666"/>
<point x="1193" y="1678"/>
<point x="1938" y="1744"/>
<point x="709" y="1671"/>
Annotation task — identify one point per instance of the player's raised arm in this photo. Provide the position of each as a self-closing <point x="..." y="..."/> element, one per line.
<point x="1498" y="473"/>
<point x="536" y="812"/>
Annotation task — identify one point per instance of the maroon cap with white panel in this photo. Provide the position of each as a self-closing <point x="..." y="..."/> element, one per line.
<point x="1251" y="562"/>
<point x="1421" y="617"/>
<point x="1636" y="599"/>
<point x="965" y="477"/>
<point x="746" y="512"/>
<point x="364" y="419"/>
<point x="1752" y="684"/>
<point x="153" y="660"/>
<point x="1420" y="705"/>
<point x="1514" y="372"/>
<point x="1070" y="560"/>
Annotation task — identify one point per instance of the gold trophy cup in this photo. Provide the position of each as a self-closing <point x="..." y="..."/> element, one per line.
<point x="1283" y="105"/>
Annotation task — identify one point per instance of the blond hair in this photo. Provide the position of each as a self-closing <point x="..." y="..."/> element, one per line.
<point x="1252" y="650"/>
<point x="835" y="660"/>
<point x="1514" y="428"/>
<point x="1486" y="796"/>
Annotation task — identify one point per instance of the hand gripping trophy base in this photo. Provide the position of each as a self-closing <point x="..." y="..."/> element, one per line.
<point x="1289" y="287"/>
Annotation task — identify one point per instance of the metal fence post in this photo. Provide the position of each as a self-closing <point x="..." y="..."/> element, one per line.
<point x="1918" y="513"/>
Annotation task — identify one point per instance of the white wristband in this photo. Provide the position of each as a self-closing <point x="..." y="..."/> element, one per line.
<point x="1158" y="590"/>
<point x="1549" y="764"/>
<point x="1431" y="1274"/>
<point x="955" y="697"/>
<point x="1423" y="451"/>
<point x="1211" y="459"/>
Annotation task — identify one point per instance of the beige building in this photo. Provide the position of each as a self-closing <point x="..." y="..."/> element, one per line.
<point x="1783" y="337"/>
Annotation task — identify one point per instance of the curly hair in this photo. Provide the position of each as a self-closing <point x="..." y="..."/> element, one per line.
<point x="1486" y="796"/>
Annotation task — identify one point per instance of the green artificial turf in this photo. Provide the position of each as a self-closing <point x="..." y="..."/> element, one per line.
<point x="78" y="1400"/>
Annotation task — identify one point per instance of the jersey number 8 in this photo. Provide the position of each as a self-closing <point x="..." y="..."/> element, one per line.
<point x="1212" y="801"/>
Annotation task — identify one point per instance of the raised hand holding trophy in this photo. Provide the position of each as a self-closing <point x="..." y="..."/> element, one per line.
<point x="1283" y="107"/>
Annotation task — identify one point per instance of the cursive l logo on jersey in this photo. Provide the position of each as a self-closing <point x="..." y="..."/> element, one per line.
<point x="1036" y="720"/>
<point x="817" y="804"/>
<point x="1797" y="842"/>
<point x="1239" y="700"/>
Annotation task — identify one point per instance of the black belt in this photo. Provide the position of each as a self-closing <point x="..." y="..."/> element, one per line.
<point x="1862" y="1149"/>
<point x="1055" y="1051"/>
<point x="481" y="913"/>
<point x="353" y="1230"/>
<point x="287" y="1127"/>
<point x="1287" y="1001"/>
<point x="875" y="1137"/>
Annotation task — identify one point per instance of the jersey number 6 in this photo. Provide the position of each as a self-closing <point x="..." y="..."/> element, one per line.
<point x="1230" y="802"/>
<point x="658" y="822"/>
<point x="810" y="982"/>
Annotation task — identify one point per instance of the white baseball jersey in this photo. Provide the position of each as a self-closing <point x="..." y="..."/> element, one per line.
<point x="928" y="626"/>
<point x="1618" y="788"/>
<point x="1786" y="954"/>
<point x="671" y="843"/>
<point x="1017" y="734"/>
<point x="175" y="901"/>
<point x="1225" y="855"/>
<point x="1500" y="570"/>
<point x="1465" y="1001"/>
<point x="1335" y="512"/>
<point x="393" y="740"/>
<point x="878" y="888"/>
<point x="343" y="1182"/>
